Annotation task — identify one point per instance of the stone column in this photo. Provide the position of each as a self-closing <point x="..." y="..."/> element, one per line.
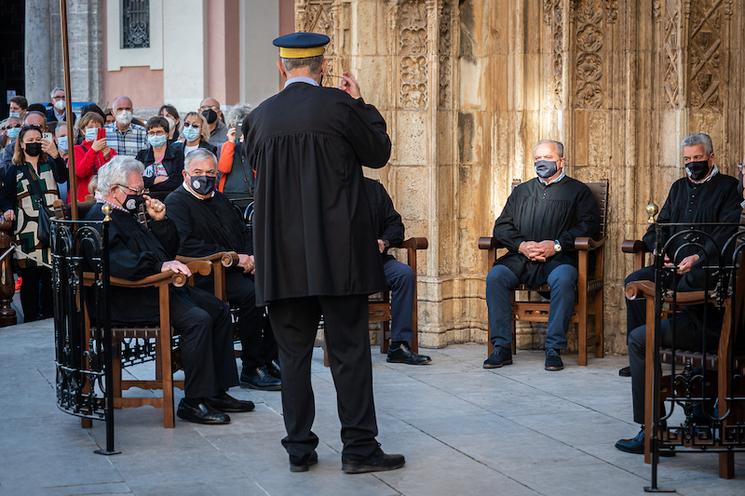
<point x="86" y="49"/>
<point x="38" y="51"/>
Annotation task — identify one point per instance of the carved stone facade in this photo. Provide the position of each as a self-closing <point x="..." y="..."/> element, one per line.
<point x="467" y="87"/>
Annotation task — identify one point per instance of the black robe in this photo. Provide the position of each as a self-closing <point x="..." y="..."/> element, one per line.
<point x="207" y="226"/>
<point x="136" y="252"/>
<point x="716" y="200"/>
<point x="561" y="211"/>
<point x="312" y="230"/>
<point x="385" y="220"/>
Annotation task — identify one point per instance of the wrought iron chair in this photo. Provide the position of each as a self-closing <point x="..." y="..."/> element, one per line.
<point x="696" y="379"/>
<point x="379" y="304"/>
<point x="590" y="283"/>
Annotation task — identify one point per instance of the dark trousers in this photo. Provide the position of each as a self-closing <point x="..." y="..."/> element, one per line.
<point x="295" y="322"/>
<point x="400" y="278"/>
<point x="204" y="324"/>
<point x="36" y="293"/>
<point x="257" y="339"/>
<point x="688" y="336"/>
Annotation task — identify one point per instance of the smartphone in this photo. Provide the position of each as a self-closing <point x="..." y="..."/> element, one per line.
<point x="238" y="134"/>
<point x="46" y="136"/>
<point x="101" y="133"/>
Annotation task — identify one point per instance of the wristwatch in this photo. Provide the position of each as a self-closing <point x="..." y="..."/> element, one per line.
<point x="557" y="246"/>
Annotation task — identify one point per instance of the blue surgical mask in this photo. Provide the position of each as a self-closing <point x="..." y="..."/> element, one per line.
<point x="12" y="132"/>
<point x="190" y="133"/>
<point x="91" y="134"/>
<point x="62" y="144"/>
<point x="157" y="141"/>
<point x="15" y="114"/>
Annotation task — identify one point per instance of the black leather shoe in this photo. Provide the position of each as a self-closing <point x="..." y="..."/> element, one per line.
<point x="499" y="358"/>
<point x="377" y="462"/>
<point x="553" y="360"/>
<point x="226" y="403"/>
<point x="260" y="379"/>
<point x="201" y="414"/>
<point x="635" y="445"/>
<point x="402" y="354"/>
<point x="305" y="464"/>
<point x="625" y="371"/>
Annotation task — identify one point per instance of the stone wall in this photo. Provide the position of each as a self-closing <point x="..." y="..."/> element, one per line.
<point x="467" y="87"/>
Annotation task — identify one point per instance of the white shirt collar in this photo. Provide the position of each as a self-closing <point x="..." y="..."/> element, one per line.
<point x="301" y="79"/>
<point x="561" y="176"/>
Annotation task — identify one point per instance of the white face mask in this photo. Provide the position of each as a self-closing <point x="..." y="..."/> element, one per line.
<point x="15" y="114"/>
<point x="59" y="105"/>
<point x="124" y="117"/>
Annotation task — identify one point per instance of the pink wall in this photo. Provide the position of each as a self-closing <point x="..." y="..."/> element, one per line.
<point x="286" y="16"/>
<point x="223" y="50"/>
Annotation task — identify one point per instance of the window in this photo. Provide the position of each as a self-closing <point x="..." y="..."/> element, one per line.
<point x="135" y="15"/>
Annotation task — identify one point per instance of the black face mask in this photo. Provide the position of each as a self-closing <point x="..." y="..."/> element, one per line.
<point x="698" y="170"/>
<point x="204" y="185"/>
<point x="132" y="203"/>
<point x="210" y="115"/>
<point x="545" y="168"/>
<point x="33" y="149"/>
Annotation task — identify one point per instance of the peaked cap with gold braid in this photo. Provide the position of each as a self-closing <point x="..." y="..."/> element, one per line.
<point x="301" y="45"/>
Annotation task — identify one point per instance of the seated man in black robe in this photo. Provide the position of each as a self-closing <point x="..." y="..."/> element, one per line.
<point x="704" y="195"/>
<point x="538" y="225"/>
<point x="398" y="276"/>
<point x="207" y="223"/>
<point x="143" y="242"/>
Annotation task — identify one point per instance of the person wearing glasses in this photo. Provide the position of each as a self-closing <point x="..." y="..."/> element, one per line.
<point x="208" y="223"/>
<point x="195" y="133"/>
<point x="218" y="131"/>
<point x="10" y="128"/>
<point x="163" y="161"/>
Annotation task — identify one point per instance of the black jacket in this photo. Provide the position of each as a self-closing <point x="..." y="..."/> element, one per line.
<point x="385" y="220"/>
<point x="313" y="234"/>
<point x="207" y="226"/>
<point x="173" y="161"/>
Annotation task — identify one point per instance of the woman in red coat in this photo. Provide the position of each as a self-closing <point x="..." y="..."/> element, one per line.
<point x="91" y="154"/>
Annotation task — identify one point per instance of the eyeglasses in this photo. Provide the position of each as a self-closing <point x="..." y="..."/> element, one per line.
<point x="137" y="192"/>
<point x="189" y="124"/>
<point x="157" y="133"/>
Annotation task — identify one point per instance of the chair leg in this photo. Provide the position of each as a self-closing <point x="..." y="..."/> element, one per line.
<point x="116" y="370"/>
<point x="726" y="465"/>
<point x="164" y="350"/>
<point x="514" y="326"/>
<point x="599" y="325"/>
<point x="384" y="333"/>
<point x="326" y="362"/>
<point x="415" y="340"/>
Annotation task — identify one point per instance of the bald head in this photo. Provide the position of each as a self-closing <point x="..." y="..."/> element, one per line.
<point x="121" y="103"/>
<point x="210" y="102"/>
<point x="35" y="118"/>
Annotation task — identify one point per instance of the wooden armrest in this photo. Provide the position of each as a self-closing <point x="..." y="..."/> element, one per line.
<point x="487" y="243"/>
<point x="587" y="244"/>
<point x="200" y="267"/>
<point x="159" y="279"/>
<point x="415" y="243"/>
<point x="633" y="246"/>
<point x="647" y="289"/>
<point x="226" y="258"/>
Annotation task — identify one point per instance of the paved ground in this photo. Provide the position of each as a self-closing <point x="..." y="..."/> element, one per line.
<point x="464" y="430"/>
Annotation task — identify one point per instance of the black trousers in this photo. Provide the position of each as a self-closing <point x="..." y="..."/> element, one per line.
<point x="257" y="339"/>
<point x="295" y="322"/>
<point x="204" y="324"/>
<point x="36" y="293"/>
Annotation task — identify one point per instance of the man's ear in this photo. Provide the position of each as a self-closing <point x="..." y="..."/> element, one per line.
<point x="324" y="65"/>
<point x="281" y="69"/>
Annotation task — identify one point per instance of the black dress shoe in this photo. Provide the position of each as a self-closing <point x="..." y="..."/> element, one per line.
<point x="202" y="413"/>
<point x="304" y="464"/>
<point x="377" y="462"/>
<point x="260" y="378"/>
<point x="402" y="354"/>
<point x="625" y="371"/>
<point x="226" y="403"/>
<point x="553" y="360"/>
<point x="499" y="358"/>
<point x="635" y="445"/>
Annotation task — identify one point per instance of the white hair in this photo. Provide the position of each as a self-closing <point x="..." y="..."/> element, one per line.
<point x="116" y="171"/>
<point x="237" y="114"/>
<point x="199" y="154"/>
<point x="55" y="90"/>
<point x="558" y="144"/>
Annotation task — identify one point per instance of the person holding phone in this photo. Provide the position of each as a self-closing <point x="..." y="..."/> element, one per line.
<point x="91" y="154"/>
<point x="237" y="175"/>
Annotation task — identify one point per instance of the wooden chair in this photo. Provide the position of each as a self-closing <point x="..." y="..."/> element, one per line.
<point x="733" y="327"/>
<point x="590" y="282"/>
<point x="379" y="305"/>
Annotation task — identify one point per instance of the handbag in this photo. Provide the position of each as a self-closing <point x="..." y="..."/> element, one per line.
<point x="43" y="224"/>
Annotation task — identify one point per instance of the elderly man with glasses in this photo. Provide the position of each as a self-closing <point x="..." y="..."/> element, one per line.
<point x="143" y="241"/>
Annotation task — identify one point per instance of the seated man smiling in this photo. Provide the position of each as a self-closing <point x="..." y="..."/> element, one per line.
<point x="143" y="242"/>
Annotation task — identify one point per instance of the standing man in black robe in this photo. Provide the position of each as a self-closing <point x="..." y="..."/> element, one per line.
<point x="315" y="245"/>
<point x="704" y="195"/>
<point x="398" y="276"/>
<point x="538" y="225"/>
<point x="142" y="243"/>
<point x="208" y="223"/>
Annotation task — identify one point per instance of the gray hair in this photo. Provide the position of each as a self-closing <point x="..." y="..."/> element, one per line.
<point x="199" y="154"/>
<point x="558" y="144"/>
<point x="313" y="63"/>
<point x="55" y="90"/>
<point x="237" y="114"/>
<point x="116" y="171"/>
<point x="699" y="139"/>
